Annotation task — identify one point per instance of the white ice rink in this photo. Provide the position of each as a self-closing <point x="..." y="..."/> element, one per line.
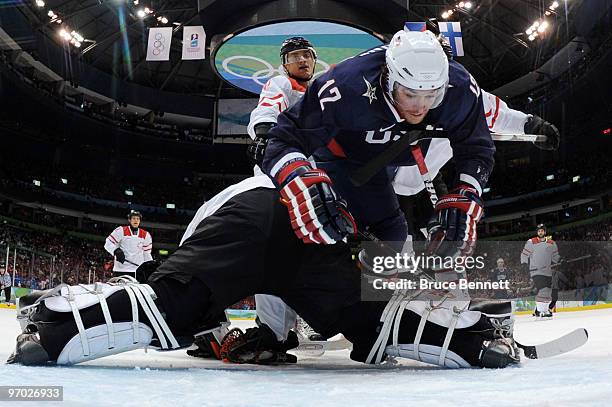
<point x="582" y="377"/>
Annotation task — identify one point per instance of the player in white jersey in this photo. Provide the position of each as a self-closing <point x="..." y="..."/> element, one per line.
<point x="541" y="253"/>
<point x="298" y="57"/>
<point x="130" y="245"/>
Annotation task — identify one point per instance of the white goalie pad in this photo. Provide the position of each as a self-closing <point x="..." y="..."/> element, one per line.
<point x="447" y="313"/>
<point x="111" y="337"/>
<point x="428" y="354"/>
<point x="97" y="338"/>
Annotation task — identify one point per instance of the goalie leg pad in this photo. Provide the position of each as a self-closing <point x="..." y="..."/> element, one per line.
<point x="78" y="323"/>
<point x="448" y="334"/>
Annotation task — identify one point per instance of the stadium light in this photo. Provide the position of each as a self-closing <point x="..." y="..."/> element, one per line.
<point x="576" y="178"/>
<point x="445" y="15"/>
<point x="40" y="3"/>
<point x="164" y="20"/>
<point x="140" y="13"/>
<point x="550" y="177"/>
<point x="170" y="206"/>
<point x="129" y="192"/>
<point x="468" y="5"/>
<point x="64" y="181"/>
<point x="36" y="182"/>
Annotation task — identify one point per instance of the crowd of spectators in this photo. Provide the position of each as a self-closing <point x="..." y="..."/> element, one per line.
<point x="46" y="259"/>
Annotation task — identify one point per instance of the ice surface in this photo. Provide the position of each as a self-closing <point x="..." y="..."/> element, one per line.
<point x="175" y="379"/>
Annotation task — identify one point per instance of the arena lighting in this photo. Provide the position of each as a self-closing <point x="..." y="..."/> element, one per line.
<point x="445" y="15"/>
<point x="140" y="13"/>
<point x="36" y="182"/>
<point x="40" y="3"/>
<point x="129" y="192"/>
<point x="468" y="5"/>
<point x="170" y="206"/>
<point x="576" y="178"/>
<point x="164" y="20"/>
<point x="64" y="181"/>
<point x="550" y="177"/>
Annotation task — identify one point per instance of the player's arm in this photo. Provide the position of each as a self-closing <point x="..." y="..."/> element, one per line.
<point x="527" y="252"/>
<point x="556" y="258"/>
<point x="502" y="119"/>
<point x="111" y="245"/>
<point x="147" y="247"/>
<point x="317" y="215"/>
<point x="272" y="101"/>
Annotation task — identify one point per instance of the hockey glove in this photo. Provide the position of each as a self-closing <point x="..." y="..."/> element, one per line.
<point x="537" y="125"/>
<point x="257" y="148"/>
<point x="317" y="216"/>
<point x="452" y="229"/>
<point x="119" y="255"/>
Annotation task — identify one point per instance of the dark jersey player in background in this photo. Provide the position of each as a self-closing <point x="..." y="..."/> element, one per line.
<point x="352" y="113"/>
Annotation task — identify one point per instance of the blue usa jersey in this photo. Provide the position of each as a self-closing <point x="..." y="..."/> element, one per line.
<point x="346" y="113"/>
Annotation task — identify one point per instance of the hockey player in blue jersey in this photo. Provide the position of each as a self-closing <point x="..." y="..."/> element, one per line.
<point x="351" y="114"/>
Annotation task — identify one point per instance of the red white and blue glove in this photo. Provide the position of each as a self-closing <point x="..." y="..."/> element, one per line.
<point x="452" y="229"/>
<point x="317" y="215"/>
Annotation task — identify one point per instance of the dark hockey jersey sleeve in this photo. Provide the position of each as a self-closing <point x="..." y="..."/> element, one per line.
<point x="306" y="126"/>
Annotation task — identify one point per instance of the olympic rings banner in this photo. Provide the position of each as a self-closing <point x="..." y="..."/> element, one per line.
<point x="247" y="60"/>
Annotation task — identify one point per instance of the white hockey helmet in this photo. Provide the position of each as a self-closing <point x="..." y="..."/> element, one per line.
<point x="417" y="61"/>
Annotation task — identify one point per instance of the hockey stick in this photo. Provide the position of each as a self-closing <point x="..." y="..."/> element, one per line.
<point x="365" y="173"/>
<point x="559" y="346"/>
<point x="532" y="138"/>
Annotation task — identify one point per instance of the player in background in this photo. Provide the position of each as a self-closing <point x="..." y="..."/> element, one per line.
<point x="540" y="253"/>
<point x="6" y="282"/>
<point x="130" y="245"/>
<point x="498" y="274"/>
<point x="298" y="57"/>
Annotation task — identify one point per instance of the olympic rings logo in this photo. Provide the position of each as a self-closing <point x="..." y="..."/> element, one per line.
<point x="261" y="76"/>
<point x="158" y="44"/>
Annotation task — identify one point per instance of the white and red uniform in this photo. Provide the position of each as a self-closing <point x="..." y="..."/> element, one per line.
<point x="500" y="119"/>
<point x="278" y="94"/>
<point x="136" y="245"/>
<point x="540" y="254"/>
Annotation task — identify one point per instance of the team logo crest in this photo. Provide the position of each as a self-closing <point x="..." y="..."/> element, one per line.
<point x="370" y="92"/>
